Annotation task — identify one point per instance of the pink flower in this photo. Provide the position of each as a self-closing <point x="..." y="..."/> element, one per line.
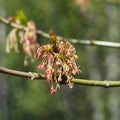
<point x="51" y="57"/>
<point x="53" y="91"/>
<point x="70" y="64"/>
<point x="48" y="75"/>
<point x="69" y="53"/>
<point x="41" y="67"/>
<point x="39" y="52"/>
<point x="75" y="71"/>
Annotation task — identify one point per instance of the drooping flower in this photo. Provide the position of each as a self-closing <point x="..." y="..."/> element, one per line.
<point x="42" y="66"/>
<point x="27" y="37"/>
<point x="12" y="42"/>
<point x="30" y="43"/>
<point x="59" y="62"/>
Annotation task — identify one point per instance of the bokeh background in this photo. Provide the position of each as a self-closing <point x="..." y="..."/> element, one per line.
<point x="23" y="99"/>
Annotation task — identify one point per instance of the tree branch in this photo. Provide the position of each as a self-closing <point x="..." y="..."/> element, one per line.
<point x="36" y="76"/>
<point x="76" y="41"/>
<point x="21" y="74"/>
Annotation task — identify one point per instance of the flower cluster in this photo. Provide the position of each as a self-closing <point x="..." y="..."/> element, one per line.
<point x="11" y="42"/>
<point x="27" y="38"/>
<point x="58" y="62"/>
<point x="30" y="43"/>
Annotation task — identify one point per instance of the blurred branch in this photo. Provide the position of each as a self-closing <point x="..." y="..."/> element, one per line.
<point x="112" y="1"/>
<point x="76" y="41"/>
<point x="33" y="76"/>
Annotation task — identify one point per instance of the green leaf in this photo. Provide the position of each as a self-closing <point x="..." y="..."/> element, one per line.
<point x="21" y="17"/>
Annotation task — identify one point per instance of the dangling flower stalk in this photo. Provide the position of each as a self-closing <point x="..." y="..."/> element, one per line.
<point x="27" y="38"/>
<point x="58" y="62"/>
<point x="30" y="43"/>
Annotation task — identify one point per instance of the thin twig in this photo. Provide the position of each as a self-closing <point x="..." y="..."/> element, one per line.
<point x="31" y="75"/>
<point x="36" y="76"/>
<point x="76" y="41"/>
<point x="105" y="83"/>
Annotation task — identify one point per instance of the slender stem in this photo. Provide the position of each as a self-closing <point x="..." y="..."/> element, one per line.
<point x="36" y="76"/>
<point x="76" y="41"/>
<point x="21" y="74"/>
<point x="105" y="83"/>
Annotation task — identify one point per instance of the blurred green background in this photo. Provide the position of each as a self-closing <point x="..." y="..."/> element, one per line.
<point x="23" y="99"/>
